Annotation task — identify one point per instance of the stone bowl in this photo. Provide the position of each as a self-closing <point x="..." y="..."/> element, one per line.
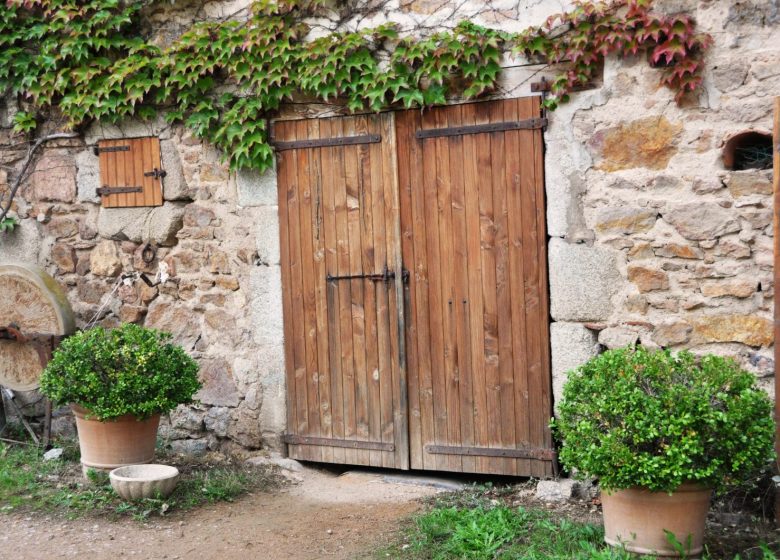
<point x="135" y="482"/>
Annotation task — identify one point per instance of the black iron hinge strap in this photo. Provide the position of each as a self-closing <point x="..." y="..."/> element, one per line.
<point x="326" y="142"/>
<point x="106" y="149"/>
<point x="105" y="191"/>
<point x="528" y="124"/>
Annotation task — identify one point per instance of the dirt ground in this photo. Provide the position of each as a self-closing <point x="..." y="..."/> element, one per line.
<point x="323" y="516"/>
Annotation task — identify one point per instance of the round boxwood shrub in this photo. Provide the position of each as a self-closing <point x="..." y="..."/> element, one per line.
<point x="127" y="370"/>
<point x="635" y="417"/>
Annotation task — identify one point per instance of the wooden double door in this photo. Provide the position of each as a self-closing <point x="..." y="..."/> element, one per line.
<point x="415" y="289"/>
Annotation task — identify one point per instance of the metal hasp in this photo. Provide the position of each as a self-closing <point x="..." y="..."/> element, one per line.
<point x="385" y="276"/>
<point x="105" y="191"/>
<point x="329" y="142"/>
<point x="156" y="173"/>
<point x="527" y="124"/>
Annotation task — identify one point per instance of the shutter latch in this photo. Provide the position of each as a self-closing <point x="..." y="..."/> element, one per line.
<point x="156" y="173"/>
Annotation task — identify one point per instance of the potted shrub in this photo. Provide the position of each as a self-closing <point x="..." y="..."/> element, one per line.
<point x="118" y="382"/>
<point x="661" y="431"/>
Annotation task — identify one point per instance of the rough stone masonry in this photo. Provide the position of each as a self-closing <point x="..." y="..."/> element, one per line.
<point x="652" y="240"/>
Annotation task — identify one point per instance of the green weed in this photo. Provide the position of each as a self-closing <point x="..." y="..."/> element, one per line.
<point x="28" y="483"/>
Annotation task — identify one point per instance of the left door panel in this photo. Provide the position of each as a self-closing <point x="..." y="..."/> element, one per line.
<point x="341" y="279"/>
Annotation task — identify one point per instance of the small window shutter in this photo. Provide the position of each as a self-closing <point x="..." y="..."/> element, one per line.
<point x="130" y="172"/>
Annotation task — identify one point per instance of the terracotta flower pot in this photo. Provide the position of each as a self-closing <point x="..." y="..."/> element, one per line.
<point x="106" y="445"/>
<point x="636" y="518"/>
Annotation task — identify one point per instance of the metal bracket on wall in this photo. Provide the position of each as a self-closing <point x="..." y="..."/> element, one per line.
<point x="107" y="149"/>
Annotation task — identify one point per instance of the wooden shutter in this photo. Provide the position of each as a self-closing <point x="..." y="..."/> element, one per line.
<point x="130" y="172"/>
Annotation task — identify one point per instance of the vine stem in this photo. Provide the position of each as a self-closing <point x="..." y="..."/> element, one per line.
<point x="28" y="161"/>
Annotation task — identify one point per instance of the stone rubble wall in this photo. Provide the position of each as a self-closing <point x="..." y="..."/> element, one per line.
<point x="651" y="239"/>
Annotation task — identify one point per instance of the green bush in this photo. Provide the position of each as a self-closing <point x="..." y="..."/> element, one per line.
<point x="634" y="417"/>
<point x="127" y="370"/>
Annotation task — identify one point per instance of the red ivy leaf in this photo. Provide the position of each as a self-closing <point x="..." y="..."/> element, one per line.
<point x="669" y="50"/>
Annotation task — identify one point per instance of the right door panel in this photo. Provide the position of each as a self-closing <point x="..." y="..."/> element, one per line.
<point x="473" y="238"/>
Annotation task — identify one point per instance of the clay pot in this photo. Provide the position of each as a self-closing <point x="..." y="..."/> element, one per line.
<point x="636" y="518"/>
<point x="106" y="445"/>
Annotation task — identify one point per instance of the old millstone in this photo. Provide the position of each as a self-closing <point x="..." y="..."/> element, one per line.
<point x="32" y="302"/>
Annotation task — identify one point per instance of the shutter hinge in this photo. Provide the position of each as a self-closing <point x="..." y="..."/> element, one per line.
<point x="105" y="191"/>
<point x="98" y="150"/>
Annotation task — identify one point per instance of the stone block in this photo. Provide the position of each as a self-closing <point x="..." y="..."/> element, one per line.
<point x="64" y="256"/>
<point x="618" y="337"/>
<point x="624" y="220"/>
<point x="61" y="227"/>
<point x="739" y="288"/>
<point x="267" y="235"/>
<point x="571" y="345"/>
<point x="648" y="279"/>
<point x="256" y="189"/>
<point x="218" y="389"/>
<point x="87" y="176"/>
<point x="680" y="251"/>
<point x="266" y="304"/>
<point x="671" y="334"/>
<point x="22" y="244"/>
<point x="159" y="224"/>
<point x="127" y="128"/>
<point x="648" y="142"/>
<point x="749" y="182"/>
<point x="583" y="281"/>
<point x="174" y="318"/>
<point x="175" y="186"/>
<point x="104" y="259"/>
<point x="54" y="179"/>
<point x="218" y="420"/>
<point x="193" y="447"/>
<point x="747" y="329"/>
<point x="701" y="220"/>
<point x="561" y="490"/>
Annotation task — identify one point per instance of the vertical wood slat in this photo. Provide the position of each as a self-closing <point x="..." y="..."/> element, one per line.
<point x="400" y="383"/>
<point x="307" y="294"/>
<point x="517" y="281"/>
<point x="329" y="180"/>
<point x="128" y="168"/>
<point x="287" y="295"/>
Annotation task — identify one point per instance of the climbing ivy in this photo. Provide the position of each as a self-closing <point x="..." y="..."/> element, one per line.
<point x="88" y="60"/>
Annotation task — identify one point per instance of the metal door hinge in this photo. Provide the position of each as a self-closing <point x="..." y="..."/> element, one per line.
<point x="106" y="149"/>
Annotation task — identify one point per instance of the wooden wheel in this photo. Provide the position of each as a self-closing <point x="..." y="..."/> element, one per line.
<point x="33" y="304"/>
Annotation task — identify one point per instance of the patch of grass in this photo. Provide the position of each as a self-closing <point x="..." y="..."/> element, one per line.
<point x="479" y="524"/>
<point x="28" y="483"/>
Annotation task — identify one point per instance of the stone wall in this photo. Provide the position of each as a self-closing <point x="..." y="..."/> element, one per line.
<point x="651" y="239"/>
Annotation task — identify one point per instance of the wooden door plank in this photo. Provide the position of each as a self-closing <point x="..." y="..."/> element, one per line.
<point x="400" y="387"/>
<point x="488" y="258"/>
<point x="296" y="275"/>
<point x="318" y="279"/>
<point x="307" y="294"/>
<point x="532" y="301"/>
<point x="471" y="176"/>
<point x="517" y="280"/>
<point x="135" y="166"/>
<point x="435" y="304"/>
<point x="503" y="300"/>
<point x="354" y="188"/>
<point x="405" y="141"/>
<point x="284" y="166"/>
<point x="369" y="395"/>
<point x="330" y="177"/>
<point x="383" y="379"/>
<point x="545" y="374"/>
<point x="460" y="278"/>
<point x="445" y="265"/>
<point x="345" y="290"/>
